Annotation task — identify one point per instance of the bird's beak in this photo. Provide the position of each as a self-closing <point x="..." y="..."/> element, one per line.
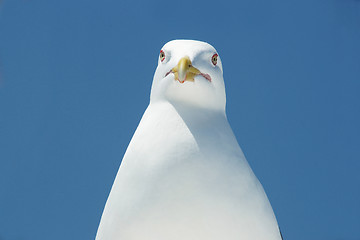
<point x="184" y="70"/>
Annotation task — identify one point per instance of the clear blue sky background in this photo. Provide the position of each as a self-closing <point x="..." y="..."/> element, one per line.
<point x="75" y="81"/>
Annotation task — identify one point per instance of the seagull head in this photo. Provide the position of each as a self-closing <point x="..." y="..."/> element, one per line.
<point x="189" y="72"/>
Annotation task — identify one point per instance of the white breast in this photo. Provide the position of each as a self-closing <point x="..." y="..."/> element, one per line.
<point x="184" y="177"/>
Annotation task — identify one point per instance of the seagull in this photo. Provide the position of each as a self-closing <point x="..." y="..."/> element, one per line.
<point x="184" y="176"/>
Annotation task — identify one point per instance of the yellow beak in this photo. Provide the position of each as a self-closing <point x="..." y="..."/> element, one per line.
<point x="184" y="71"/>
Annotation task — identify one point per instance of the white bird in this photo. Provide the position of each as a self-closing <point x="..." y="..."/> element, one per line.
<point x="184" y="176"/>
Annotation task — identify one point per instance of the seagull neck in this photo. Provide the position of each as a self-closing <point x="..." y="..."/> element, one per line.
<point x="202" y="116"/>
<point x="207" y="127"/>
<point x="210" y="129"/>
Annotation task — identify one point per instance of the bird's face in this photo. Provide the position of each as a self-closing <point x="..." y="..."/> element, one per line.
<point x="189" y="72"/>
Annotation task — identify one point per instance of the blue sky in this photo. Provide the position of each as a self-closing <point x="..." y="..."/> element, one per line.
<point x="76" y="78"/>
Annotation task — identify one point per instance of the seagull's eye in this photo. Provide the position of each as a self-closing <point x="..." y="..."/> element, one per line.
<point x="162" y="55"/>
<point x="214" y="59"/>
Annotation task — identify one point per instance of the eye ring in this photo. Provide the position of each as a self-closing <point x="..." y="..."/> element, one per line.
<point x="214" y="59"/>
<point x="162" y="55"/>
